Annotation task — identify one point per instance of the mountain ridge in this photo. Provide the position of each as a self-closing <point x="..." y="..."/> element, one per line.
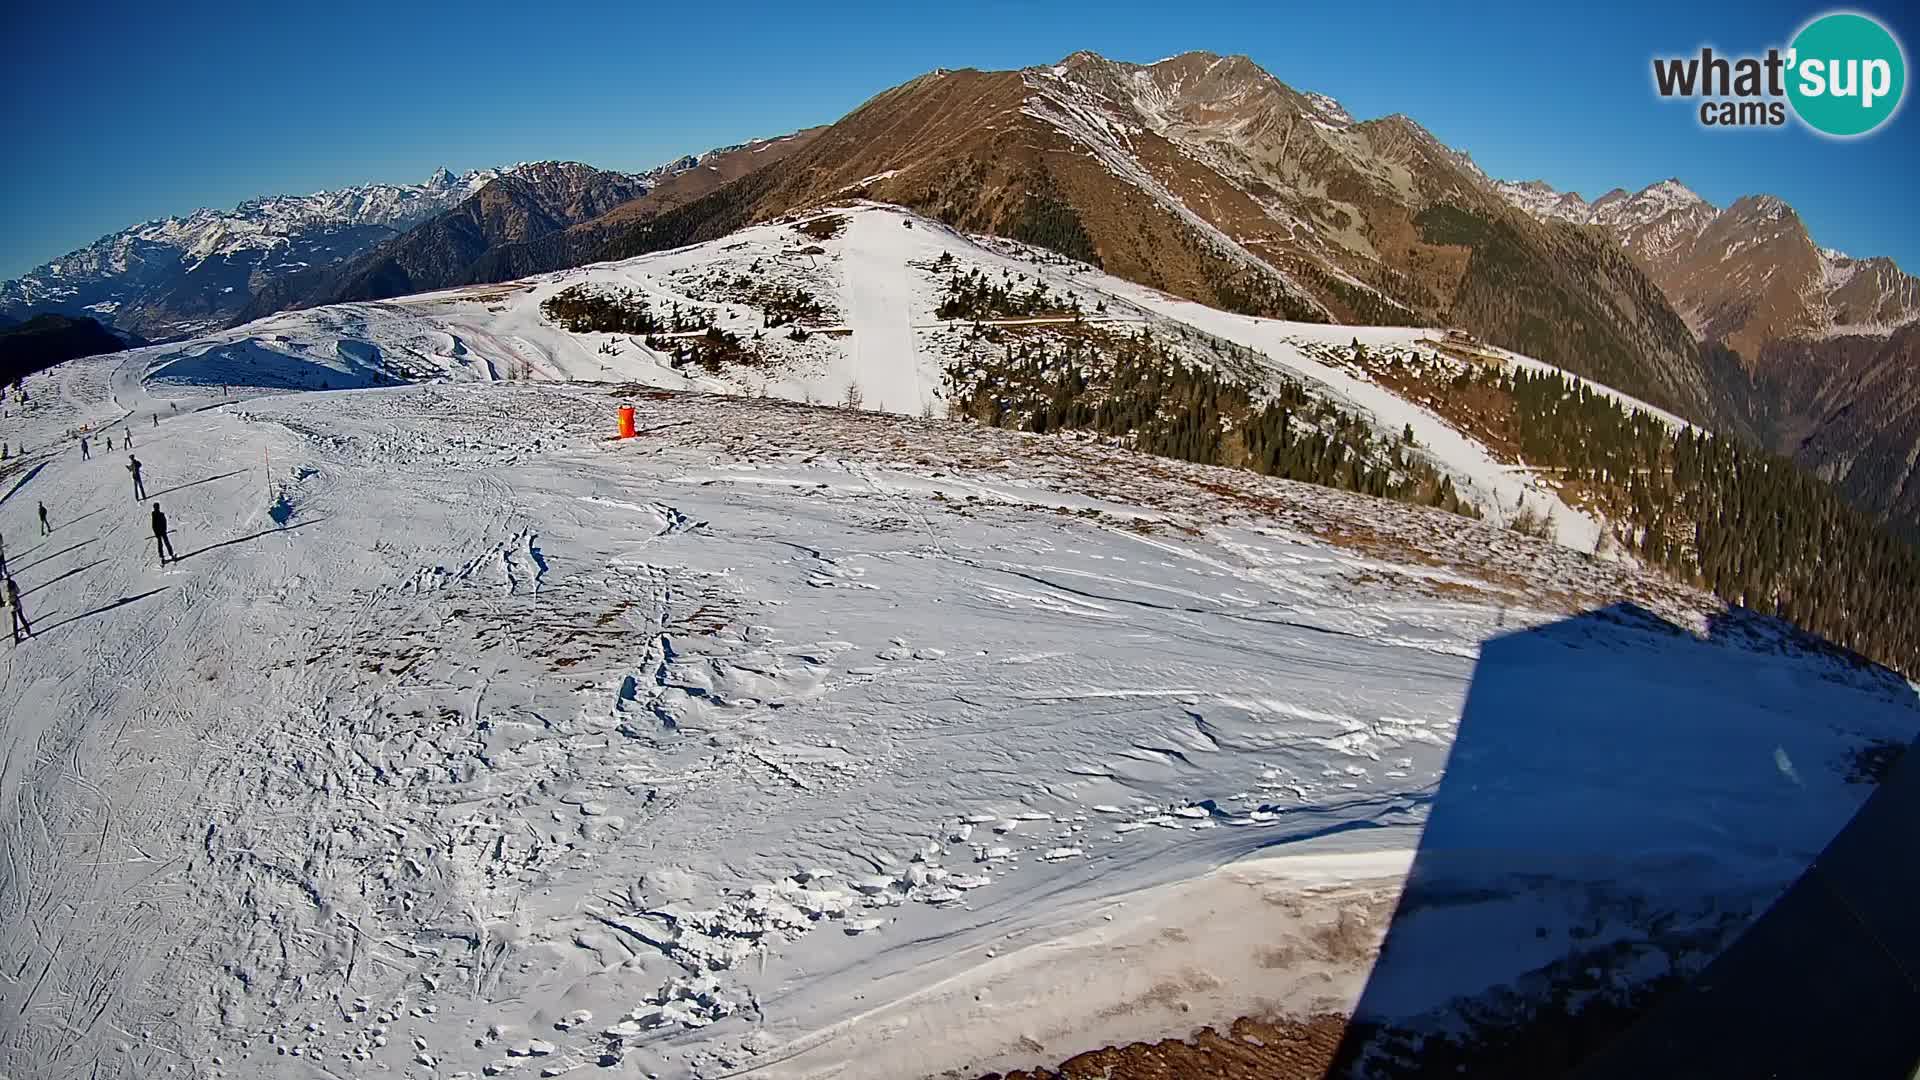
<point x="1663" y="222"/>
<point x="178" y="275"/>
<point x="1207" y="177"/>
<point x="514" y="226"/>
<point x="526" y="202"/>
<point x="1812" y="350"/>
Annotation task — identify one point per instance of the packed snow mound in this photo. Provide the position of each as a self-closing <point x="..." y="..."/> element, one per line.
<point x="463" y="738"/>
<point x="839" y="305"/>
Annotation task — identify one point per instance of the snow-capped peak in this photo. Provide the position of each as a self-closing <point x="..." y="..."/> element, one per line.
<point x="1329" y="109"/>
<point x="1654" y="221"/>
<point x="260" y="236"/>
<point x="1650" y="204"/>
<point x="1672" y="192"/>
<point x="1540" y="199"/>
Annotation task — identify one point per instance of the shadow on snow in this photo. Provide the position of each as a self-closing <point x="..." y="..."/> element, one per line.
<point x="1621" y="799"/>
<point x="249" y="537"/>
<point x="42" y="631"/>
<point x="22" y="568"/>
<point x="151" y="495"/>
<point x="50" y="581"/>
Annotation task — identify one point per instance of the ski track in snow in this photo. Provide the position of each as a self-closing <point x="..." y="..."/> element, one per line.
<point x="514" y="750"/>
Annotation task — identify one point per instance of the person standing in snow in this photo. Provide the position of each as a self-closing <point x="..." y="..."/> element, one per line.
<point x="85" y="454"/>
<point x="139" y="486"/>
<point x="45" y="529"/>
<point x="109" y="444"/>
<point x="161" y="543"/>
<point x="129" y="438"/>
<point x="156" y="419"/>
<point x="3" y="557"/>
<point x="21" y="628"/>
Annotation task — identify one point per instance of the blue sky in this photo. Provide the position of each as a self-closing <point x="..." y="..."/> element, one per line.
<point x="121" y="112"/>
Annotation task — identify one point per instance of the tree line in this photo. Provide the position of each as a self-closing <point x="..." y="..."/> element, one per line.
<point x="1751" y="527"/>
<point x="1134" y="386"/>
<point x="976" y="295"/>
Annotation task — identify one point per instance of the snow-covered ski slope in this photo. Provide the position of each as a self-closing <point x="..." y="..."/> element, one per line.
<point x="879" y="281"/>
<point x="791" y="741"/>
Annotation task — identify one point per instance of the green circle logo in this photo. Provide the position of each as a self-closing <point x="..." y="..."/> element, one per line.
<point x="1848" y="74"/>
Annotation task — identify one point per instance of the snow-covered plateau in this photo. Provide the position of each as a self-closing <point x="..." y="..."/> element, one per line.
<point x="798" y="740"/>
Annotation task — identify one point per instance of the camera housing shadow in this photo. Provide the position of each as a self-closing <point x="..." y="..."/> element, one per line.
<point x="1622" y="800"/>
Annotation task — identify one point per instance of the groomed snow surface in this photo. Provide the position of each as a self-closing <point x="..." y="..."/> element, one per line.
<point x="804" y="742"/>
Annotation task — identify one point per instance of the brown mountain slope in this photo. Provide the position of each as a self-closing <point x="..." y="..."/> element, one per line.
<point x="1744" y="276"/>
<point x="1751" y="276"/>
<point x="583" y="241"/>
<point x="528" y="201"/>
<point x="1209" y="178"/>
<point x="963" y="146"/>
<point x="536" y="201"/>
<point x="534" y="217"/>
<point x="1811" y="352"/>
<point x="1846" y="407"/>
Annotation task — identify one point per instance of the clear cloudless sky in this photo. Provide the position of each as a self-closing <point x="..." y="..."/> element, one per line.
<point x="116" y="113"/>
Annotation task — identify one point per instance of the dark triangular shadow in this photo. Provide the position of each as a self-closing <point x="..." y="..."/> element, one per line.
<point x="22" y="482"/>
<point x="1622" y="799"/>
<point x="1826" y="983"/>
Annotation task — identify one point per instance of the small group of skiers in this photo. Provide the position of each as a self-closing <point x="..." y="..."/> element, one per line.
<point x="162" y="538"/>
<point x="86" y="448"/>
<point x="10" y="592"/>
<point x="133" y="466"/>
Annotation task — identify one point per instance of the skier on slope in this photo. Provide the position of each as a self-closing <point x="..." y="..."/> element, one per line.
<point x="21" y="628"/>
<point x="45" y="529"/>
<point x="139" y="486"/>
<point x="161" y="543"/>
<point x="85" y="454"/>
<point x="129" y="438"/>
<point x="3" y="556"/>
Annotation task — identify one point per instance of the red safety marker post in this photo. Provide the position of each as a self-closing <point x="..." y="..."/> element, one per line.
<point x="626" y="421"/>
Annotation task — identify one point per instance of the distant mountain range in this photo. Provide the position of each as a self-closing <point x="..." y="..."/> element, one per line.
<point x="545" y="216"/>
<point x="1201" y="175"/>
<point x="1746" y="275"/>
<point x="175" y="277"/>
<point x="1813" y="353"/>
<point x="183" y="275"/>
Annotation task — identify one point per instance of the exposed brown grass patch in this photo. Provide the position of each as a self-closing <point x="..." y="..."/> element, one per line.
<point x="824" y="227"/>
